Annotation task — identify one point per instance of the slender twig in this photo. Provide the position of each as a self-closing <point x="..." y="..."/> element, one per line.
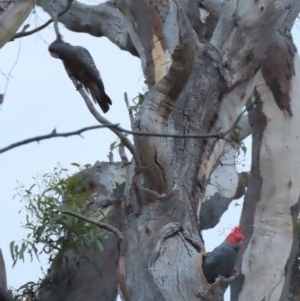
<point x="129" y="109"/>
<point x="105" y="226"/>
<point x="24" y="33"/>
<point x="53" y="134"/>
<point x="55" y="21"/>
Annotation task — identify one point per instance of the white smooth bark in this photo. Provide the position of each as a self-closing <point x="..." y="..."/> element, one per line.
<point x="270" y="247"/>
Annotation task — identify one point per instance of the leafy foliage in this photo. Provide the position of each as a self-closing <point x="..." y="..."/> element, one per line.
<point x="26" y="292"/>
<point x="49" y="230"/>
<point x="115" y="145"/>
<point x="137" y="102"/>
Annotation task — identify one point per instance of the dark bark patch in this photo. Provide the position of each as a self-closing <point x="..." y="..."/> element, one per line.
<point x="213" y="121"/>
<point x="147" y="231"/>
<point x="249" y="56"/>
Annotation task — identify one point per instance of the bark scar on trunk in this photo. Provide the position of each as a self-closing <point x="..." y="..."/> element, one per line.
<point x="165" y="232"/>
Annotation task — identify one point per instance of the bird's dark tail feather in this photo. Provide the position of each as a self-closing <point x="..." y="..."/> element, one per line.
<point x="103" y="101"/>
<point x="100" y="97"/>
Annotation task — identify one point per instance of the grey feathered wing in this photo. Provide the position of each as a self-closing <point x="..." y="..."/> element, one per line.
<point x="92" y="80"/>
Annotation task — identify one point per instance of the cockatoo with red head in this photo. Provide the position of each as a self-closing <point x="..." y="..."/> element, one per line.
<point x="221" y="261"/>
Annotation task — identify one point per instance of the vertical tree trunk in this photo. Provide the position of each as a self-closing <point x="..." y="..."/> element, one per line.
<point x="272" y="200"/>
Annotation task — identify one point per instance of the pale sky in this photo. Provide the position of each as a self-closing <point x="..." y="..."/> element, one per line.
<point x="39" y="97"/>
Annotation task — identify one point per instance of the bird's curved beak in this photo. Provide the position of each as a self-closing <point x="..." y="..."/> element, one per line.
<point x="54" y="54"/>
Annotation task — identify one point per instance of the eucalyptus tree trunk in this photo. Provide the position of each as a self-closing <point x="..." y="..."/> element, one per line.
<point x="203" y="62"/>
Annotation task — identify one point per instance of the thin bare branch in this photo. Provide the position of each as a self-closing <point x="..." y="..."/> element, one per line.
<point x="129" y="109"/>
<point x="53" y="134"/>
<point x="105" y="226"/>
<point x="24" y="33"/>
<point x="55" y="21"/>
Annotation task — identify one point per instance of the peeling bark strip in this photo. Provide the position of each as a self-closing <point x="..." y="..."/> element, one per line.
<point x="278" y="69"/>
<point x="147" y="32"/>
